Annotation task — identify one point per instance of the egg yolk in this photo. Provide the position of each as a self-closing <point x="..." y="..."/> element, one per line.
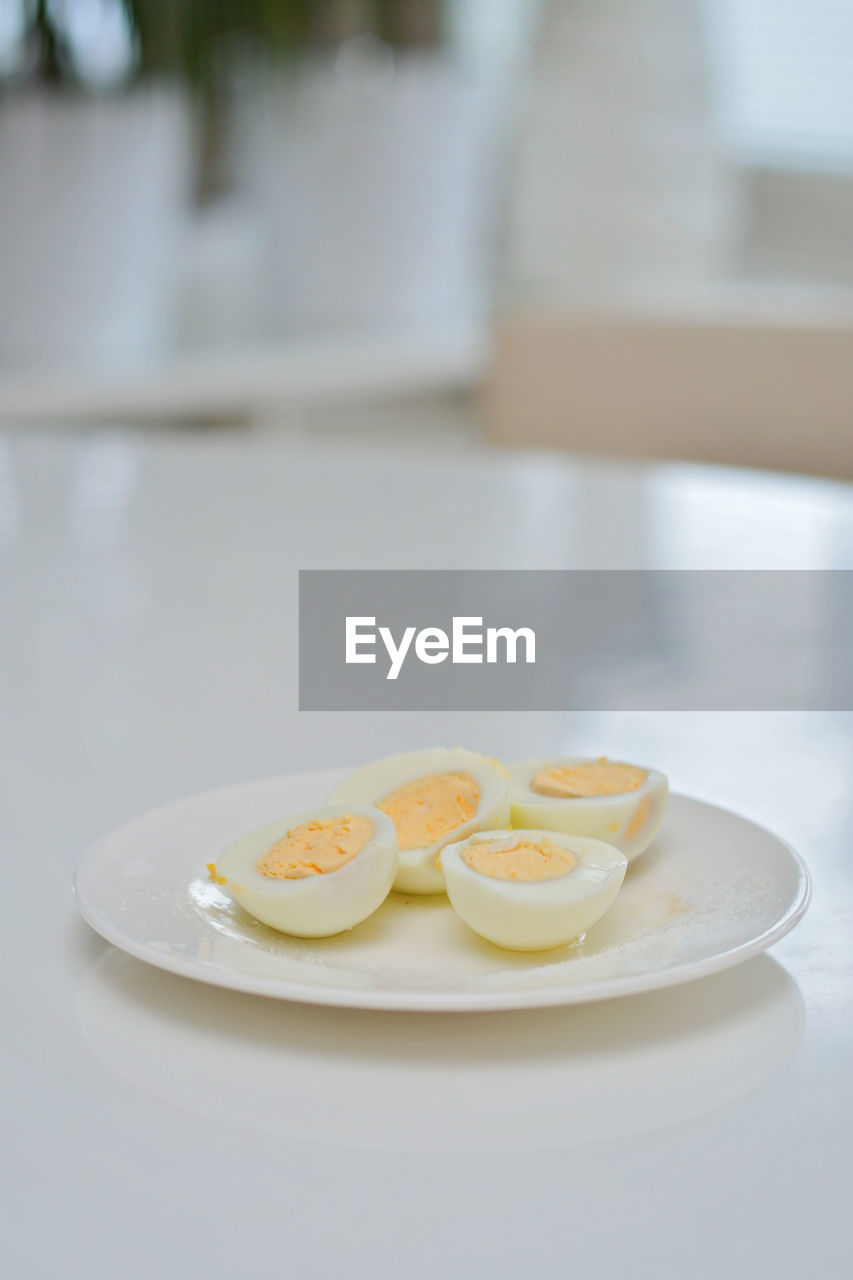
<point x="430" y="808"/>
<point x="523" y="860"/>
<point x="597" y="778"/>
<point x="315" y="848"/>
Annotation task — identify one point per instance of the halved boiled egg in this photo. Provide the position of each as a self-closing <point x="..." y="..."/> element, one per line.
<point x="622" y="804"/>
<point x="313" y="874"/>
<point x="432" y="797"/>
<point x="529" y="890"/>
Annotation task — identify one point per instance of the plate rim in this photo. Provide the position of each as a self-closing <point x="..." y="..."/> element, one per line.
<point x="304" y="992"/>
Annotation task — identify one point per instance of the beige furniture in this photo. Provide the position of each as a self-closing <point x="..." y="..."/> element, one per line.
<point x="775" y="393"/>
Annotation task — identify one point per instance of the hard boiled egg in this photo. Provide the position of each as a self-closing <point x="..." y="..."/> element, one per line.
<point x="622" y="804"/>
<point x="313" y="874"/>
<point x="529" y="890"/>
<point x="432" y="796"/>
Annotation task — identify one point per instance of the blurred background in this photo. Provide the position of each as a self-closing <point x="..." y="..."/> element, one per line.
<point x="612" y="226"/>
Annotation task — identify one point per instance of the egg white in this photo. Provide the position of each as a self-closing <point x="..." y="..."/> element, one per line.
<point x="313" y="906"/>
<point x="418" y="870"/>
<point x="630" y="820"/>
<point x="534" y="915"/>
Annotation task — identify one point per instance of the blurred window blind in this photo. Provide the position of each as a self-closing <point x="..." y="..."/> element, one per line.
<point x="784" y="79"/>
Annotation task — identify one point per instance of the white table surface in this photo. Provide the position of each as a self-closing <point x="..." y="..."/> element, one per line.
<point x="156" y="1128"/>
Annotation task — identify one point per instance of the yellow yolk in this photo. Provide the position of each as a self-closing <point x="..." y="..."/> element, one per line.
<point x="428" y="809"/>
<point x="598" y="778"/>
<point x="524" y="860"/>
<point x="316" y="848"/>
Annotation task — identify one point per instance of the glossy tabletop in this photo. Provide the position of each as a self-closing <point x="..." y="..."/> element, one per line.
<point x="156" y="1127"/>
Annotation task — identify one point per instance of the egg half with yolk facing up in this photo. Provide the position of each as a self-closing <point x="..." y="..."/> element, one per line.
<point x="432" y="797"/>
<point x="622" y="804"/>
<point x="313" y="874"/>
<point x="530" y="890"/>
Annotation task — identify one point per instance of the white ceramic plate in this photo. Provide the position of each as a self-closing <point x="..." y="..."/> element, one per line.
<point x="712" y="890"/>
